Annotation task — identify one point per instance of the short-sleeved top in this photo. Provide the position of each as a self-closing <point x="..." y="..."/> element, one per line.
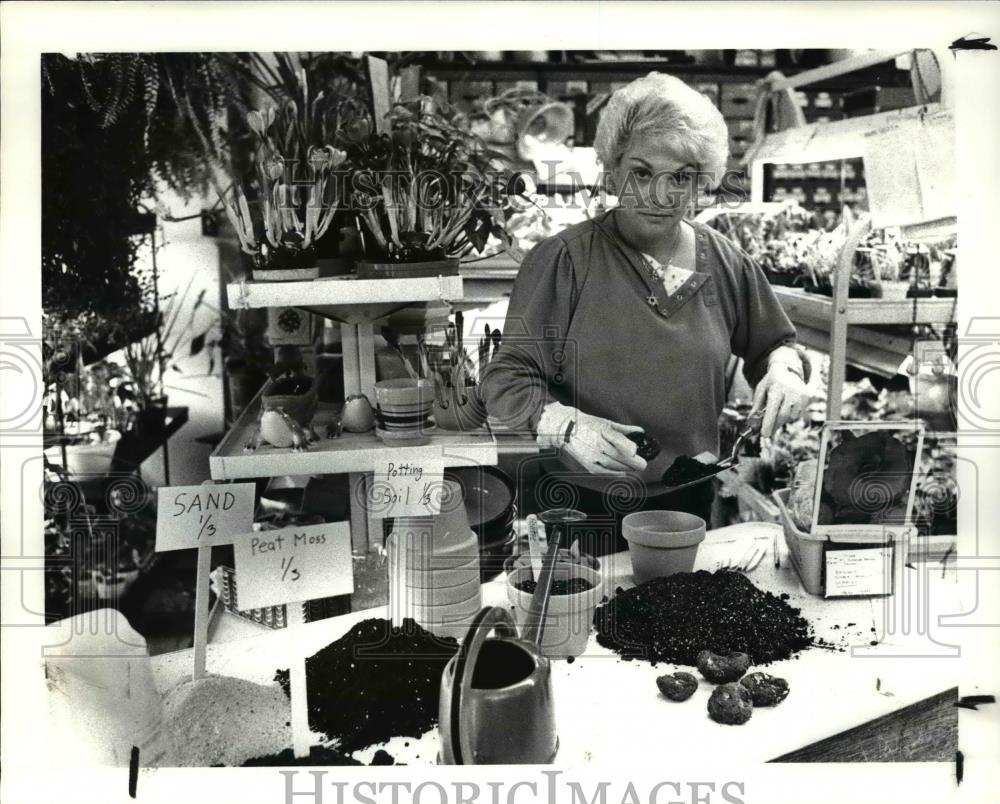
<point x="589" y="326"/>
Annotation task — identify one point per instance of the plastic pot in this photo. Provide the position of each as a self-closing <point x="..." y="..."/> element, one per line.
<point x="570" y="617"/>
<point x="662" y="543"/>
<point x="894" y="291"/>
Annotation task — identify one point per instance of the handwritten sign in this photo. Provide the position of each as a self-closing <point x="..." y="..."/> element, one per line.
<point x="202" y="516"/>
<point x="867" y="571"/>
<point x="293" y="564"/>
<point x="402" y="487"/>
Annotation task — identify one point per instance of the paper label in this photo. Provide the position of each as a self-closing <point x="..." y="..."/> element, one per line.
<point x="867" y="571"/>
<point x="405" y="487"/>
<point x="910" y="171"/>
<point x="293" y="564"/>
<point x="202" y="516"/>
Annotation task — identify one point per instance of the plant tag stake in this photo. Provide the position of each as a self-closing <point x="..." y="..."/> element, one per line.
<point x="537" y="544"/>
<point x="406" y="487"/>
<point x="202" y="516"/>
<point x="289" y="566"/>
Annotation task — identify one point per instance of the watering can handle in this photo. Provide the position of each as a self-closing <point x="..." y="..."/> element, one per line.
<point x="487" y="620"/>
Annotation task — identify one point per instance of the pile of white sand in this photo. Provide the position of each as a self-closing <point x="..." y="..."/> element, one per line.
<point x="226" y="721"/>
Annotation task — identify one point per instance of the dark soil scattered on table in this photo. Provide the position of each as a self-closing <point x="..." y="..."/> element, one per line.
<point x="684" y="469"/>
<point x="376" y="682"/>
<point x="317" y="756"/>
<point x="562" y="587"/>
<point x="672" y="619"/>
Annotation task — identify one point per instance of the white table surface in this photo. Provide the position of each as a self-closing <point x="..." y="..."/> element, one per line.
<point x="609" y="711"/>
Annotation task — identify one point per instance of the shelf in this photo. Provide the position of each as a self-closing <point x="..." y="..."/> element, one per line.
<point x="867" y="349"/>
<point x="351" y="452"/>
<point x="812" y="308"/>
<point x="347" y="300"/>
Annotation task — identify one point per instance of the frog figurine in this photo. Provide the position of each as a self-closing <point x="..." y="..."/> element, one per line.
<point x="276" y="427"/>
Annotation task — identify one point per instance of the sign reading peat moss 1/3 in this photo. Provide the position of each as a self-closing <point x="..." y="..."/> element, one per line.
<point x="202" y="516"/>
<point x="402" y="487"/>
<point x="293" y="564"/>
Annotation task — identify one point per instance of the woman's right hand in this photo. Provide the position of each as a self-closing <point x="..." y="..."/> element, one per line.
<point x="599" y="445"/>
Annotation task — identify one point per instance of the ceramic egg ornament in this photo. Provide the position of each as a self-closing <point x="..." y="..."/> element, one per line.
<point x="357" y="415"/>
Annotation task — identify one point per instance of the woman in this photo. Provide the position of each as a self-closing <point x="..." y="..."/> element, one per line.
<point x="625" y="322"/>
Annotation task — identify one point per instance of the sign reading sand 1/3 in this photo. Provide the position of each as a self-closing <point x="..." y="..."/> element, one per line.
<point x="202" y="516"/>
<point x="403" y="487"/>
<point x="293" y="564"/>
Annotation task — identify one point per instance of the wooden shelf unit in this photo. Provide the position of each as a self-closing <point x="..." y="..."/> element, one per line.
<point x="347" y="300"/>
<point x="349" y="453"/>
<point x="356" y="304"/>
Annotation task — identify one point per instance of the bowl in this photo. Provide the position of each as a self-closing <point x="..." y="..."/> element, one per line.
<point x="662" y="543"/>
<point x="401" y="397"/>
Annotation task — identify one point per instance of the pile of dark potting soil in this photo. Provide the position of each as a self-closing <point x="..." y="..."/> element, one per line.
<point x="317" y="756"/>
<point x="684" y="469"/>
<point x="376" y="682"/>
<point x="671" y="619"/>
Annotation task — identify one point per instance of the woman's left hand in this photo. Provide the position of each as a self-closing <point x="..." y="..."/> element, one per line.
<point x="781" y="395"/>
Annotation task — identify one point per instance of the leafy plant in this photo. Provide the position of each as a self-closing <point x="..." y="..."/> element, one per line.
<point x="427" y="188"/>
<point x="291" y="216"/>
<point x="148" y="359"/>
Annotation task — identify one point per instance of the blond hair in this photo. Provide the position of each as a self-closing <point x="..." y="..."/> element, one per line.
<point x="665" y="106"/>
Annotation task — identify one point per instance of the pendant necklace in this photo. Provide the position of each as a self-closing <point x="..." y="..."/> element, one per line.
<point x="657" y="272"/>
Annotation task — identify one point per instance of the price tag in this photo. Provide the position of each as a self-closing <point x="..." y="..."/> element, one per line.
<point x="867" y="571"/>
<point x="404" y="487"/>
<point x="202" y="516"/>
<point x="293" y="564"/>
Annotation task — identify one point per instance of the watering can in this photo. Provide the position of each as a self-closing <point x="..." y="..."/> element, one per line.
<point x="496" y="693"/>
<point x="496" y="703"/>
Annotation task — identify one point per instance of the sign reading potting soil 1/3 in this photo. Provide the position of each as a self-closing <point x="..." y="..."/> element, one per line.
<point x="293" y="564"/>
<point x="202" y="516"/>
<point x="404" y="487"/>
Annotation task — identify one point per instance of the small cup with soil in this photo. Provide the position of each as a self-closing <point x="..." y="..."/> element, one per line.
<point x="576" y="591"/>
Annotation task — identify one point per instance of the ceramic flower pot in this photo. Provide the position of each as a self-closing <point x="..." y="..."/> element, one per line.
<point x="461" y="409"/>
<point x="404" y="405"/>
<point x="662" y="543"/>
<point x="285" y="265"/>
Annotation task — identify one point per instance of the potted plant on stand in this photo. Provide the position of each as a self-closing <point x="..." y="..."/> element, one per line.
<point x="428" y="192"/>
<point x="289" y="212"/>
